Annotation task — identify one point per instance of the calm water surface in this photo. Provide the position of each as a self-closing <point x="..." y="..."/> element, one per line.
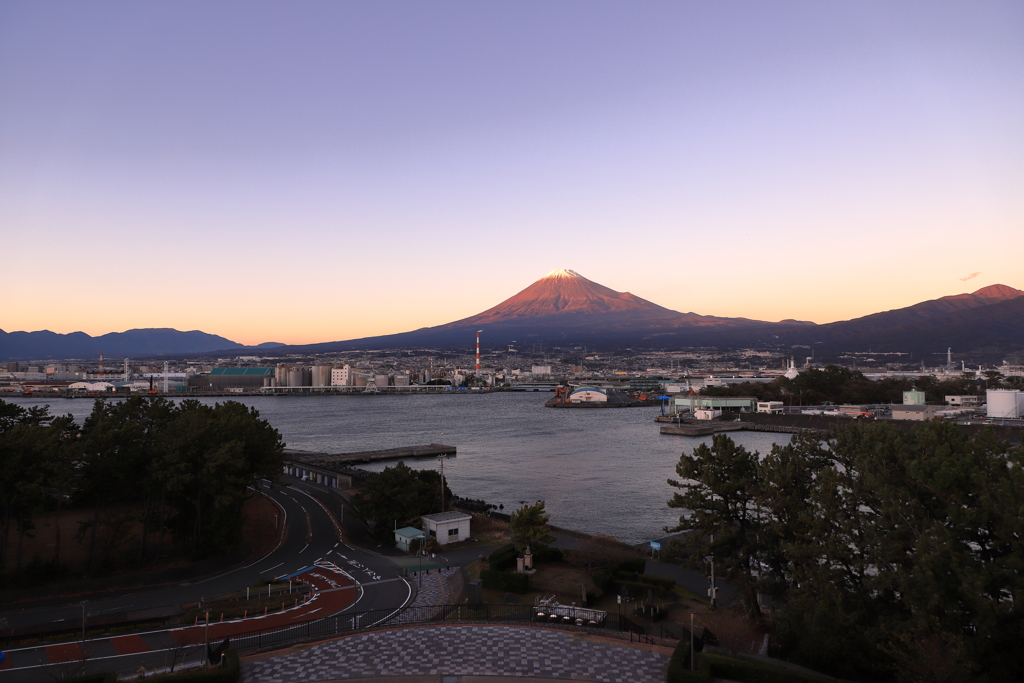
<point x="600" y="471"/>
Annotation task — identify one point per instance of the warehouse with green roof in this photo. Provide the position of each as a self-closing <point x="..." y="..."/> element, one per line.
<point x="224" y="379"/>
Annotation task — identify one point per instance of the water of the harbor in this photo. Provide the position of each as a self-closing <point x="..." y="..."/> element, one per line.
<point x="601" y="471"/>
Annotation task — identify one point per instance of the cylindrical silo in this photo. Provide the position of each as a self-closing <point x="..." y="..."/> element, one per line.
<point x="1002" y="403"/>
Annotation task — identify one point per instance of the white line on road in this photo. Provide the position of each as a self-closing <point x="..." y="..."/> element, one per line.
<point x="303" y="548"/>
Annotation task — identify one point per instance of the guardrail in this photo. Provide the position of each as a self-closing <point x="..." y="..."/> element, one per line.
<point x="329" y="627"/>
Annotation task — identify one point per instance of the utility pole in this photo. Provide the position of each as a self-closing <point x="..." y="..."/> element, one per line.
<point x="206" y="639"/>
<point x="441" y="459"/>
<point x="84" y="603"/>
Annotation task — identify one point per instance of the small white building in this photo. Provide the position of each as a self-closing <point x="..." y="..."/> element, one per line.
<point x="447" y="527"/>
<point x="772" y="407"/>
<point x="406" y="537"/>
<point x="588" y="395"/>
<point x="966" y="401"/>
<point x="909" y="411"/>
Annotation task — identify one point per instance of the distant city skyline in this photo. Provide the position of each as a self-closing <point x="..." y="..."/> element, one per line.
<point x="332" y="171"/>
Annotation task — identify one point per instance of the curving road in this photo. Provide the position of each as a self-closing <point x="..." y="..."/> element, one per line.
<point x="346" y="579"/>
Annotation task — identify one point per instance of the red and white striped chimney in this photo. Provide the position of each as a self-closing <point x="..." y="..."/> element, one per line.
<point x="478" y="351"/>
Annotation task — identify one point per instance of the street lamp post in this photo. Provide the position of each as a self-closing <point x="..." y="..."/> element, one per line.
<point x="84" y="602"/>
<point x="692" y="612"/>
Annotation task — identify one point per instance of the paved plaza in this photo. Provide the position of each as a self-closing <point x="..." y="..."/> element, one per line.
<point x="462" y="650"/>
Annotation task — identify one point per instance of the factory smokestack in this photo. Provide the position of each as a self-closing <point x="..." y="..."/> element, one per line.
<point x="478" y="351"/>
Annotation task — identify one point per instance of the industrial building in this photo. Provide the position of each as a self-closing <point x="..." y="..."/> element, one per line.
<point x="965" y="401"/>
<point x="911" y="411"/>
<point x="225" y="379"/>
<point x="588" y="395"/>
<point x="913" y="398"/>
<point x="735" y="404"/>
<point x="644" y="385"/>
<point x="1005" y="404"/>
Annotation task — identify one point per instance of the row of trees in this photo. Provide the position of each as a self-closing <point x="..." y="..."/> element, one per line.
<point x="840" y="385"/>
<point x="180" y="471"/>
<point x="883" y="551"/>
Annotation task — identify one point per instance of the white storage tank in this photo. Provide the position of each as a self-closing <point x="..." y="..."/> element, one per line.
<point x="1004" y="403"/>
<point x="295" y="378"/>
<point x="381" y="381"/>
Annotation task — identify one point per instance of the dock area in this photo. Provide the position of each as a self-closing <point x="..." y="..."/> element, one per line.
<point x="329" y="459"/>
<point x="702" y="428"/>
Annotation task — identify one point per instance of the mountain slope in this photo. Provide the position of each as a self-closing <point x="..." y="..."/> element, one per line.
<point x="989" y="321"/>
<point x="566" y="293"/>
<point x="918" y="312"/>
<point x="563" y="306"/>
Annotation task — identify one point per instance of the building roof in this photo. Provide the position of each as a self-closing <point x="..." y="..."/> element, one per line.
<point x="243" y="371"/>
<point x="447" y="517"/>
<point x="409" y="532"/>
<point x="600" y="391"/>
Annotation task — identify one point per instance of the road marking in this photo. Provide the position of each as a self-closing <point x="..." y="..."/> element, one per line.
<point x="274" y="567"/>
<point x="303" y="548"/>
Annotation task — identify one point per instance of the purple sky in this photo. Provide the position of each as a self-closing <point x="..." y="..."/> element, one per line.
<point x="305" y="172"/>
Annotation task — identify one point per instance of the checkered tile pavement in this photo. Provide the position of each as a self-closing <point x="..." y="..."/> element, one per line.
<point x="434" y="588"/>
<point x="463" y="650"/>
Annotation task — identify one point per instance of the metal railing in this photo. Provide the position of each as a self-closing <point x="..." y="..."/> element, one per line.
<point x="328" y="627"/>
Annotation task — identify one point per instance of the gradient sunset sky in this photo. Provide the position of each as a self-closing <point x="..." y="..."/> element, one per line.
<point x="306" y="172"/>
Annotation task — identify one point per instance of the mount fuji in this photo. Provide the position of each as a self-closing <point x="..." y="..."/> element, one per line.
<point x="565" y="307"/>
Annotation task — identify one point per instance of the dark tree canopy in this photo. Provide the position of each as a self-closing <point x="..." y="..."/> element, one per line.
<point x="399" y="496"/>
<point x="840" y="385"/>
<point x="182" y="470"/>
<point x="884" y="551"/>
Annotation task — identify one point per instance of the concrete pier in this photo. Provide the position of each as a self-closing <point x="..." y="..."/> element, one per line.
<point x="328" y="459"/>
<point x="702" y="428"/>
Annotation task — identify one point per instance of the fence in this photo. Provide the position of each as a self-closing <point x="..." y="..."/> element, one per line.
<point x="328" y="627"/>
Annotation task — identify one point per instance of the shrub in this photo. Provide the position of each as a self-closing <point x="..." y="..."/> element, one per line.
<point x="503" y="558"/>
<point x="603" y="580"/>
<point x="505" y="581"/>
<point x="229" y="673"/>
<point x="633" y="564"/>
<point x="546" y="553"/>
<point x="108" y="677"/>
<point x="638" y="589"/>
<point x="753" y="671"/>
<point x="679" y="667"/>
<point x="660" y="581"/>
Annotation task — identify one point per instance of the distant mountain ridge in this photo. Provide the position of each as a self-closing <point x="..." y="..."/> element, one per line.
<point x="565" y="307"/>
<point x="45" y="345"/>
<point x="986" y="320"/>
